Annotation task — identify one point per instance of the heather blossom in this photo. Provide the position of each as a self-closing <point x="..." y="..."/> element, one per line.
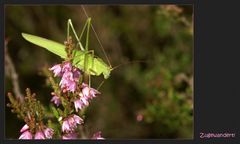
<point x="39" y="135"/>
<point x="48" y="132"/>
<point x="56" y="100"/>
<point x="67" y="67"/>
<point x="69" y="136"/>
<point x="67" y="82"/>
<point x="76" y="74"/>
<point x="81" y="102"/>
<point x="89" y="92"/>
<point x="70" y="76"/>
<point x="139" y="117"/>
<point x="70" y="123"/>
<point x="86" y="94"/>
<point x="24" y="128"/>
<point x="26" y="135"/>
<point x="97" y="136"/>
<point x="56" y="70"/>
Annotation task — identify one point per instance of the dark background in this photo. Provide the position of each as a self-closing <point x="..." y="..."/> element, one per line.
<point x="161" y="88"/>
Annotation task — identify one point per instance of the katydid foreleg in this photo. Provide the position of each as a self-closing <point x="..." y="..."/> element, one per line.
<point x="70" y="25"/>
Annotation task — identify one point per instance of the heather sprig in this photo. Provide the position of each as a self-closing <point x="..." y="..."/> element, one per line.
<point x="71" y="95"/>
<point x="32" y="112"/>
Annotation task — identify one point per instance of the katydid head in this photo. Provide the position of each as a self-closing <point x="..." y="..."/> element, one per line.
<point x="106" y="73"/>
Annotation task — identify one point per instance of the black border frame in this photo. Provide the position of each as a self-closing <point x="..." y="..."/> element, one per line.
<point x="216" y="70"/>
<point x="133" y="141"/>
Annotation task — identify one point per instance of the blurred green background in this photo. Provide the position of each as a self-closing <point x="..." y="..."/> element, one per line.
<point x="150" y="99"/>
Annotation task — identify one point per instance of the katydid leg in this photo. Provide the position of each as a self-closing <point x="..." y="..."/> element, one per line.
<point x="70" y="25"/>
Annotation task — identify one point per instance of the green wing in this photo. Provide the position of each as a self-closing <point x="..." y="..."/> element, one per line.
<point x="52" y="46"/>
<point x="95" y="66"/>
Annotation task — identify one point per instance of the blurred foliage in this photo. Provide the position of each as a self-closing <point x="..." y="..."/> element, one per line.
<point x="160" y="89"/>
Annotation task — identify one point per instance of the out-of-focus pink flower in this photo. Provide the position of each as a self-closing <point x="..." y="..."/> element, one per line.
<point x="97" y="136"/>
<point x="56" y="70"/>
<point x="39" y="135"/>
<point x="89" y="92"/>
<point x="48" y="132"/>
<point x="24" y="128"/>
<point x="139" y="117"/>
<point x="69" y="136"/>
<point x="56" y="100"/>
<point x="70" y="123"/>
<point x="26" y="135"/>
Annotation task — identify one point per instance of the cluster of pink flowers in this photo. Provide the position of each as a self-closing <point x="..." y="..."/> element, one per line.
<point x="40" y="134"/>
<point x="70" y="123"/>
<point x="70" y="76"/>
<point x="85" y="95"/>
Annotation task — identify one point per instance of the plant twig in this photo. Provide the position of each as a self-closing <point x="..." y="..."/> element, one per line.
<point x="11" y="72"/>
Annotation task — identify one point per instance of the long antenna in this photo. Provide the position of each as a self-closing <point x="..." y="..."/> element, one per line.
<point x="136" y="61"/>
<point x="100" y="85"/>
<point x="97" y="37"/>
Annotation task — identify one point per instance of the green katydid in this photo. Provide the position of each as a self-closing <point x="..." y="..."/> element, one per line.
<point x="82" y="59"/>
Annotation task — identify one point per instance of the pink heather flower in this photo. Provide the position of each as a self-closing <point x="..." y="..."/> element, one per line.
<point x="26" y="135"/>
<point x="78" y="104"/>
<point x="70" y="123"/>
<point x="39" y="135"/>
<point x="66" y="126"/>
<point x="86" y="94"/>
<point x="84" y="99"/>
<point x="70" y="76"/>
<point x="48" y="132"/>
<point x="71" y="86"/>
<point x="66" y="77"/>
<point x="89" y="92"/>
<point x="69" y="136"/>
<point x="56" y="70"/>
<point x="67" y="67"/>
<point x="56" y="100"/>
<point x="76" y="74"/>
<point x="97" y="136"/>
<point x="67" y="82"/>
<point x="139" y="117"/>
<point x="77" y="119"/>
<point x="81" y="102"/>
<point x="24" y="128"/>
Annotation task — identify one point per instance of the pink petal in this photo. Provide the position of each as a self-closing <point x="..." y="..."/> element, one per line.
<point x="24" y="128"/>
<point x="26" y="135"/>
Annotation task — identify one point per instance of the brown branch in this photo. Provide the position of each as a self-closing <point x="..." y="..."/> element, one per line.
<point x="11" y="72"/>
